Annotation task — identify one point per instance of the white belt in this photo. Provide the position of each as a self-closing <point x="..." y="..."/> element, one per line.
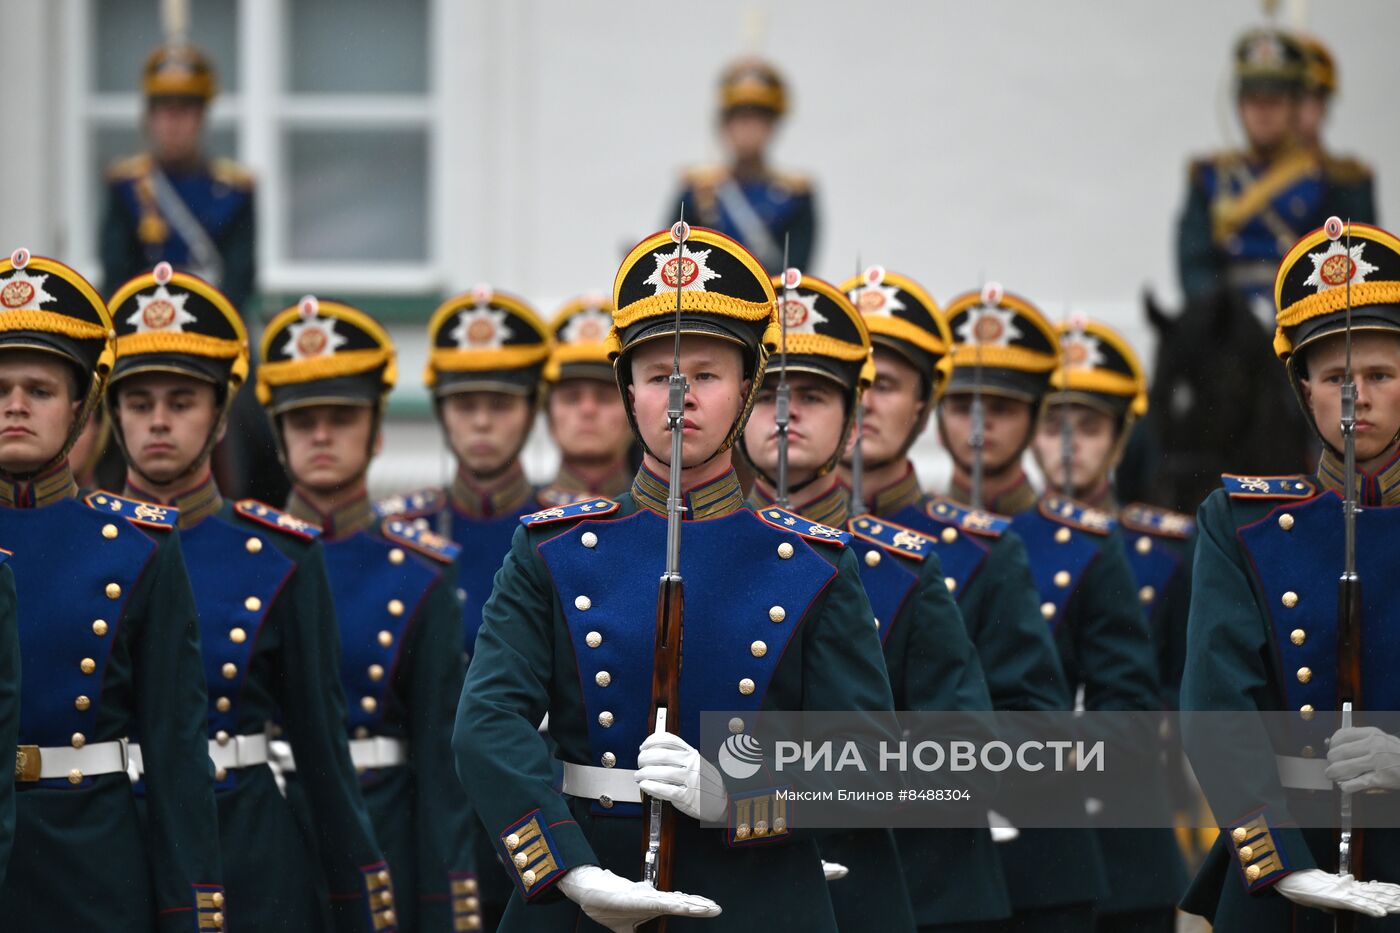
<point x="1303" y="773"/>
<point x="33" y="763"/>
<point x="605" y="785"/>
<point x="238" y="751"/>
<point x="379" y="751"/>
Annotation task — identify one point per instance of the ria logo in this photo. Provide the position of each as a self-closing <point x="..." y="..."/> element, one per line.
<point x="740" y="756"/>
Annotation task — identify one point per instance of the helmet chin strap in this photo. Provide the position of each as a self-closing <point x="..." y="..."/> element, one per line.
<point x="205" y="451"/>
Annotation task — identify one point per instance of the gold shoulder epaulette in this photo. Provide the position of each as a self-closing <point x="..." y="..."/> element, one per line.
<point x="264" y="514"/>
<point x="428" y="543"/>
<point x="1345" y="169"/>
<point x="229" y="172"/>
<point x="128" y="168"/>
<point x="1077" y="515"/>
<point x="795" y="182"/>
<point x="587" y="508"/>
<point x="135" y="510"/>
<point x="1151" y="520"/>
<point x="1296" y="486"/>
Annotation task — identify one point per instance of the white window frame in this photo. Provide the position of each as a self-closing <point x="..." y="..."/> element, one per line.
<point x="261" y="113"/>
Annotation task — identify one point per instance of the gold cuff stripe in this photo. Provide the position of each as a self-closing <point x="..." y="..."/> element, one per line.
<point x="51" y="322"/>
<point x="966" y="356"/>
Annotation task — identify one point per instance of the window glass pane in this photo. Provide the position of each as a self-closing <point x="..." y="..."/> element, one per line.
<point x="110" y="143"/>
<point x="125" y="32"/>
<point x="357" y="195"/>
<point x="357" y="47"/>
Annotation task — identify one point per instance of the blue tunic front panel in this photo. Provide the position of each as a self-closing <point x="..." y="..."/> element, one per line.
<point x="376" y="599"/>
<point x="961" y="555"/>
<point x="736" y="626"/>
<point x="59" y="621"/>
<point x="1059" y="556"/>
<point x="1297" y="568"/>
<point x="234" y="588"/>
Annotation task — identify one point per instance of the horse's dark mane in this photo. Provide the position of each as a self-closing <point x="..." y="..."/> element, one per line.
<point x="1219" y="402"/>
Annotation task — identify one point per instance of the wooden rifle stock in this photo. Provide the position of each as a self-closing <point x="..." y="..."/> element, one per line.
<point x="665" y="696"/>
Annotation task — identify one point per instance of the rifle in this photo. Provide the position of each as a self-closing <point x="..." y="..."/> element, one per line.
<point x="991" y="295"/>
<point x="782" y="415"/>
<point x="1066" y="428"/>
<point x="1348" y="592"/>
<point x="857" y="506"/>
<point x="670" y="611"/>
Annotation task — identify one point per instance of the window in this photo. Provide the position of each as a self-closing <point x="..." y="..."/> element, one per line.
<point x="335" y="114"/>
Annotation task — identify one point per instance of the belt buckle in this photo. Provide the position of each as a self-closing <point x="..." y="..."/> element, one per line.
<point x="28" y="763"/>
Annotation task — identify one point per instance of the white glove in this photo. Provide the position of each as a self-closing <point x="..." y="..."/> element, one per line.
<point x="622" y="905"/>
<point x="834" y="871"/>
<point x="669" y="769"/>
<point x="1002" y="830"/>
<point x="1364" y="759"/>
<point x="1313" y="887"/>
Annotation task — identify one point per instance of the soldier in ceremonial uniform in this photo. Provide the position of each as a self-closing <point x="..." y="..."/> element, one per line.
<point x="1047" y="875"/>
<point x="953" y="874"/>
<point x="1244" y="209"/>
<point x="1346" y="174"/>
<point x="775" y="619"/>
<point x="1264" y="617"/>
<point x="326" y="373"/>
<point x="109" y="645"/>
<point x="585" y="413"/>
<point x="487" y="349"/>
<point x="747" y="199"/>
<point x="267" y="623"/>
<point x="175" y="204"/>
<point x="1094" y="599"/>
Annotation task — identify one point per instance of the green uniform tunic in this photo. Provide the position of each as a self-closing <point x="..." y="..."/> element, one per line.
<point x="109" y="641"/>
<point x="1263" y="636"/>
<point x="932" y="667"/>
<point x="269" y="645"/>
<point x="401" y="665"/>
<point x="775" y="620"/>
<point x="1091" y="602"/>
<point x="1045" y="870"/>
<point x="9" y="708"/>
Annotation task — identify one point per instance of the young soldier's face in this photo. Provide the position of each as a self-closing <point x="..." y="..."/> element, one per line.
<point x="166" y="420"/>
<point x="1006" y="429"/>
<point x="328" y="446"/>
<point x="587" y="421"/>
<point x="893" y="406"/>
<point x="37" y="409"/>
<point x="1092" y="436"/>
<point x="816" y="416"/>
<point x="714" y="372"/>
<point x="485" y="429"/>
<point x="1375" y="365"/>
